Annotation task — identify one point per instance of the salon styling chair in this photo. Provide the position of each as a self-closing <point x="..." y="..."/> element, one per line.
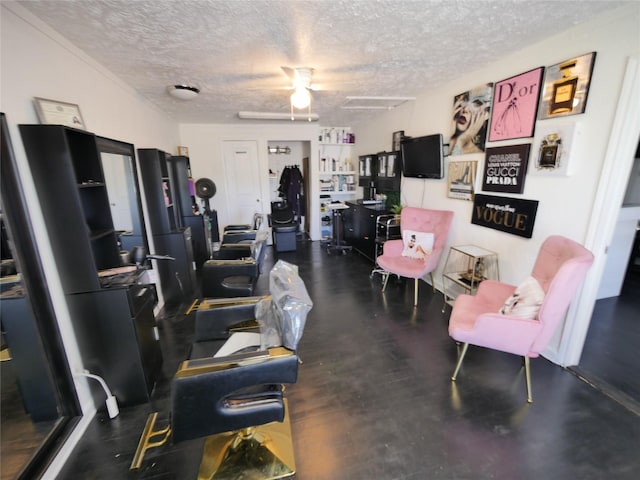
<point x="244" y="233"/>
<point x="235" y="399"/>
<point x="522" y="320"/>
<point x="284" y="226"/>
<point x="233" y="271"/>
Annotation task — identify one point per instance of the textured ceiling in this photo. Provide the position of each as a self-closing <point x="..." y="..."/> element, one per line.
<point x="233" y="49"/>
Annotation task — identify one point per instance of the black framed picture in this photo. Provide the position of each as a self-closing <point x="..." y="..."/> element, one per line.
<point x="505" y="168"/>
<point x="566" y="87"/>
<point x="515" y="104"/>
<point x="516" y="216"/>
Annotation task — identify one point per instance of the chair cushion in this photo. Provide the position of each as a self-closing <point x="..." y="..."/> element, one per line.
<point x="417" y="244"/>
<point x="525" y="302"/>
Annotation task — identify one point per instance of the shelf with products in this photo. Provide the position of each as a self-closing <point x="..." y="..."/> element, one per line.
<point x="465" y="268"/>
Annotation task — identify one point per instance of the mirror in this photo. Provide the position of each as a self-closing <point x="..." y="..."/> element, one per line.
<point x="121" y="178"/>
<point x="38" y="401"/>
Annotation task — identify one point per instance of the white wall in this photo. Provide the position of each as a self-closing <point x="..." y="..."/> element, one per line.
<point x="206" y="155"/>
<point x="37" y="62"/>
<point x="566" y="203"/>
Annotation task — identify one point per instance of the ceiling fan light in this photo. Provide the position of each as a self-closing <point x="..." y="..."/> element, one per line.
<point x="300" y="98"/>
<point x="183" y="92"/>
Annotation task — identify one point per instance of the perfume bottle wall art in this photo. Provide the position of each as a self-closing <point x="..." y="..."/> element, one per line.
<point x="554" y="145"/>
<point x="566" y="86"/>
<point x="564" y="90"/>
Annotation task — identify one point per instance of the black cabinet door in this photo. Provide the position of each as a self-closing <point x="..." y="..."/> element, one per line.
<point x="177" y="277"/>
<point x="107" y="333"/>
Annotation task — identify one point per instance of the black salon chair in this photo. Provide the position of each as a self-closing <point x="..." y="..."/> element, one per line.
<point x="236" y="400"/>
<point x="244" y="233"/>
<point x="284" y="226"/>
<point x="233" y="271"/>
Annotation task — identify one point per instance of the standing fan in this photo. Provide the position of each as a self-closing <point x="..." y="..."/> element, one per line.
<point x="205" y="190"/>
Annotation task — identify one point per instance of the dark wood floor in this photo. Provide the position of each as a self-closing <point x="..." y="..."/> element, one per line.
<point x="374" y="399"/>
<point x="610" y="357"/>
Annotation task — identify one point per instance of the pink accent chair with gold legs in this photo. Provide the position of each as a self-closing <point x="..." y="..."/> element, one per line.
<point x="415" y="219"/>
<point x="530" y="318"/>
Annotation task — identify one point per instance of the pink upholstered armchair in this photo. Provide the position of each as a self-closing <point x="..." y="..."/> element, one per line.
<point x="392" y="261"/>
<point x="524" y="330"/>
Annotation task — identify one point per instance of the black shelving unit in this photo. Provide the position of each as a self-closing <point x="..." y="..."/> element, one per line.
<point x="379" y="173"/>
<point x="170" y="237"/>
<point x="67" y="172"/>
<point x="180" y="175"/>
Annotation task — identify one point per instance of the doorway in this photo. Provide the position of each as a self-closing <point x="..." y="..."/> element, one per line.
<point x="609" y="359"/>
<point x="242" y="171"/>
<point x="291" y="154"/>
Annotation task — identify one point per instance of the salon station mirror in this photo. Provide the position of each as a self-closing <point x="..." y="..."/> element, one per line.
<point x="121" y="179"/>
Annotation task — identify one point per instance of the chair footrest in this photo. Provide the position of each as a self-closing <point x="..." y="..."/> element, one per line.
<point x="145" y="442"/>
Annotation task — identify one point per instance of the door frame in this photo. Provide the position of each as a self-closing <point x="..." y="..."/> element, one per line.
<point x="619" y="158"/>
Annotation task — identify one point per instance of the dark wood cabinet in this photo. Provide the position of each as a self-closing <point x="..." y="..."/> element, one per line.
<point x="160" y="182"/>
<point x="117" y="337"/>
<point x="360" y="227"/>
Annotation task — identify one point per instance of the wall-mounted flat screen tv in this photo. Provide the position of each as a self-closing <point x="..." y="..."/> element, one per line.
<point x="422" y="157"/>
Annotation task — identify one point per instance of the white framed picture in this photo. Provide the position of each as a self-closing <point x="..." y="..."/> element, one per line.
<point x="552" y="149"/>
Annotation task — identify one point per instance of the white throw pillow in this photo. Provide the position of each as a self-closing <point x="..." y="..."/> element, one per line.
<point x="417" y="244"/>
<point x="525" y="301"/>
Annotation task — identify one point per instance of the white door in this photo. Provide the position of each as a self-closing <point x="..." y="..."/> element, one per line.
<point x="242" y="170"/>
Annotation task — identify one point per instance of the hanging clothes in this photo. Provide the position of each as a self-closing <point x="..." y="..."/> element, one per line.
<point x="292" y="189"/>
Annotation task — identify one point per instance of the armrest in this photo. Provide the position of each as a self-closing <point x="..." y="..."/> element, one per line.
<point x="213" y="303"/>
<point x="214" y="395"/>
<point x="215" y="272"/>
<point x="200" y="366"/>
<point x="234" y="236"/>
<point x="219" y="321"/>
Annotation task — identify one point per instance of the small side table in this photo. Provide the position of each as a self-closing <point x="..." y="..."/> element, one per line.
<point x="337" y="243"/>
<point x="465" y="268"/>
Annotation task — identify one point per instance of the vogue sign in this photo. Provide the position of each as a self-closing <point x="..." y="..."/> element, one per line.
<point x="510" y="215"/>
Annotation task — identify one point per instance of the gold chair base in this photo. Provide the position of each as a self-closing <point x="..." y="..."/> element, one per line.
<point x="259" y="453"/>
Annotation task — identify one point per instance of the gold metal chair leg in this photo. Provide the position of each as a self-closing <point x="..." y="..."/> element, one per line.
<point x="145" y="442"/>
<point x="264" y="452"/>
<point x="386" y="279"/>
<point x="527" y="376"/>
<point x="463" y="352"/>
<point x="415" y="293"/>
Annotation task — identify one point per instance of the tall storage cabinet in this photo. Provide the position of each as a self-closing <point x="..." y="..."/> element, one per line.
<point x="180" y="175"/>
<point x="177" y="277"/>
<point x="114" y="324"/>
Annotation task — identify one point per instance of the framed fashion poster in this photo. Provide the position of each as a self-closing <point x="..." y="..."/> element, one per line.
<point x="505" y="168"/>
<point x="470" y="120"/>
<point x="515" y="103"/>
<point x="566" y="86"/>
<point x="462" y="180"/>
